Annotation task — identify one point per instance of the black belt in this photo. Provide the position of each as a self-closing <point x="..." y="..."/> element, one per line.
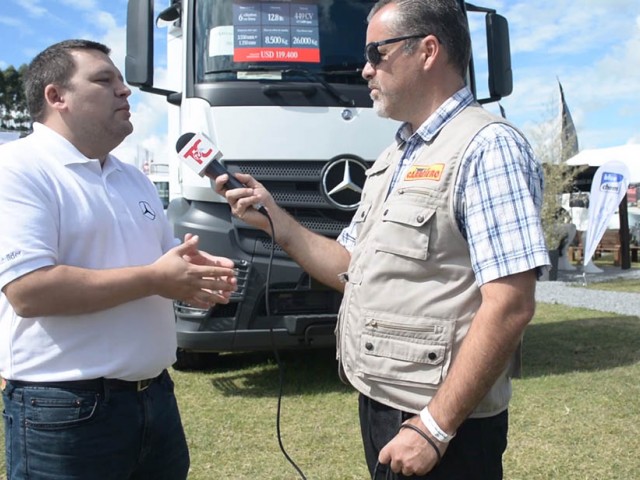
<point x="93" y="385"/>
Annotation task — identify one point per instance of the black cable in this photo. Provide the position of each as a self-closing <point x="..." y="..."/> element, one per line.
<point x="423" y="435"/>
<point x="275" y="352"/>
<point x="426" y="437"/>
<point x="387" y="475"/>
<point x="268" y="280"/>
<point x="280" y="386"/>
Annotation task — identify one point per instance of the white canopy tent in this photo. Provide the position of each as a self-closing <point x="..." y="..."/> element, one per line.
<point x="627" y="154"/>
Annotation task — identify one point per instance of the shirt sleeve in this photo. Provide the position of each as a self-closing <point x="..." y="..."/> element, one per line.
<point x="348" y="237"/>
<point x="29" y="224"/>
<point x="498" y="196"/>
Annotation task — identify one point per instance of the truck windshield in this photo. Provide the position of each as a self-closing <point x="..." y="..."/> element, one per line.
<point x="240" y="40"/>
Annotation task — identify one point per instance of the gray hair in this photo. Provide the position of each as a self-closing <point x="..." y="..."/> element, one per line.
<point x="442" y="18"/>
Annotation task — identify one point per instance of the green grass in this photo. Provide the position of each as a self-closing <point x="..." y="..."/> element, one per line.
<point x="615" y="285"/>
<point x="230" y="418"/>
<point x="632" y="286"/>
<point x="575" y="413"/>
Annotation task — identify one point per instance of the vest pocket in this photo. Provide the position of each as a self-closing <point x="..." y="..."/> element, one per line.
<point x="404" y="230"/>
<point x="405" y="354"/>
<point x="361" y="213"/>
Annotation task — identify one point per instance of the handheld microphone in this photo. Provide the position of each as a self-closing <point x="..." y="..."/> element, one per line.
<point x="201" y="156"/>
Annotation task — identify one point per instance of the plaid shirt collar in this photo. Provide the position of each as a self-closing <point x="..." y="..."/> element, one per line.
<point x="438" y="119"/>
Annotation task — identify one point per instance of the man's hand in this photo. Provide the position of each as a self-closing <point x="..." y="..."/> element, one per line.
<point x="195" y="277"/>
<point x="410" y="454"/>
<point x="183" y="273"/>
<point x="321" y="257"/>
<point x="242" y="200"/>
<point x="200" y="257"/>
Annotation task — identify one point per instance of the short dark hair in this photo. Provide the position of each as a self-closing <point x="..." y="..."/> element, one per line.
<point x="441" y="18"/>
<point x="54" y="65"/>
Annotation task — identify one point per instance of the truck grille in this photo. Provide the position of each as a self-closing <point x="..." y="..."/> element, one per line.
<point x="279" y="170"/>
<point x="242" y="268"/>
<point x="296" y="186"/>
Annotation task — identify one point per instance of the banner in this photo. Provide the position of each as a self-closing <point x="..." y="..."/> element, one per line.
<point x="609" y="186"/>
<point x="568" y="134"/>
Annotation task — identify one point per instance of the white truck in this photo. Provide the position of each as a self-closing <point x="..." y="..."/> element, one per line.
<point x="277" y="86"/>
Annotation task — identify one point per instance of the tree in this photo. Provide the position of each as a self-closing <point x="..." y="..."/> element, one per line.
<point x="14" y="114"/>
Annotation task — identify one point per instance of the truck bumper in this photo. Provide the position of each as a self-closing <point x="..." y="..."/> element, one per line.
<point x="314" y="331"/>
<point x="300" y="313"/>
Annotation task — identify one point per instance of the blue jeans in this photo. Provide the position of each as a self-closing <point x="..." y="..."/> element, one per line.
<point x="67" y="433"/>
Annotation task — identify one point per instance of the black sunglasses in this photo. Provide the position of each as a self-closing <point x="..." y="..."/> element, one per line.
<point x="373" y="55"/>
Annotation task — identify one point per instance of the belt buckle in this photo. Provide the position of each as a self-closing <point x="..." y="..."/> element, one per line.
<point x="142" y="385"/>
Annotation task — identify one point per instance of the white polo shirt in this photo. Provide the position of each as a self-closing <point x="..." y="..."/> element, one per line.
<point x="58" y="207"/>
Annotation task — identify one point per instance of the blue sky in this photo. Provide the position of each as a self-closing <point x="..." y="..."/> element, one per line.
<point x="591" y="46"/>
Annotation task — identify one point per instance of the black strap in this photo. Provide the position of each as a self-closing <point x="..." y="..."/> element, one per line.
<point x="423" y="435"/>
<point x="419" y="432"/>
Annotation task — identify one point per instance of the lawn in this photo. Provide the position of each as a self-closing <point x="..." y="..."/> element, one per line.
<point x="631" y="286"/>
<point x="575" y="413"/>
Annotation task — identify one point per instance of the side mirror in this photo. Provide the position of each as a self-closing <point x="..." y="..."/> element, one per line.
<point x="138" y="66"/>
<point x="499" y="52"/>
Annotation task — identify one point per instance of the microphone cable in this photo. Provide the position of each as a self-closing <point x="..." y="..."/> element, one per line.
<point x="387" y="475"/>
<point x="267" y="305"/>
<point x="275" y="351"/>
<point x="279" y="363"/>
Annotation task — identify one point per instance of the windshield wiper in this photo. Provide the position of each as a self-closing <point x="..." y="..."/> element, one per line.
<point x="344" y="100"/>
<point x="342" y="69"/>
<point x="316" y="77"/>
<point x="249" y="68"/>
<point x="352" y="73"/>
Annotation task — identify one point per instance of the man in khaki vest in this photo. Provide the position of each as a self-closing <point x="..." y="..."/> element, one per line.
<point x="439" y="264"/>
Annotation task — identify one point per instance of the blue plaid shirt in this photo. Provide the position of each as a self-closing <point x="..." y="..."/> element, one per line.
<point x="497" y="194"/>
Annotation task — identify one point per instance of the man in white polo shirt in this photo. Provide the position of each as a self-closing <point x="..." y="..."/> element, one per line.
<point x="88" y="268"/>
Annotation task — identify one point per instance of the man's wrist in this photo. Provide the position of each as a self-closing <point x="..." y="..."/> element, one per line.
<point x="433" y="427"/>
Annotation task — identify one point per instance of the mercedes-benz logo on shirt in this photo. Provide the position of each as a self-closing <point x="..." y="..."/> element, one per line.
<point x="147" y="211"/>
<point x="342" y="182"/>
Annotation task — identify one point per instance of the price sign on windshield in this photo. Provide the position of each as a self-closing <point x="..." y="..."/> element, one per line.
<point x="276" y="32"/>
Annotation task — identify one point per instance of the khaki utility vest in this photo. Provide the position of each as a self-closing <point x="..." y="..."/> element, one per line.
<point x="410" y="292"/>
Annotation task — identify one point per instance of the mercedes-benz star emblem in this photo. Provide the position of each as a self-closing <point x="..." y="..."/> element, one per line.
<point x="146" y="210"/>
<point x="342" y="182"/>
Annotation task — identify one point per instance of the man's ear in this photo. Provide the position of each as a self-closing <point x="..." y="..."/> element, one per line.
<point x="431" y="50"/>
<point x="54" y="97"/>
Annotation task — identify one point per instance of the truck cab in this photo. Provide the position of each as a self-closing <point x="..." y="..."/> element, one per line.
<point x="278" y="87"/>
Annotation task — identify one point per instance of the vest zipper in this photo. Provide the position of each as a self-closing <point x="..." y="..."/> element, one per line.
<point x="373" y="323"/>
<point x="403" y="190"/>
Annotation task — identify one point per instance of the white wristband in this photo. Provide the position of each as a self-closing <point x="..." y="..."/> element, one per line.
<point x="433" y="427"/>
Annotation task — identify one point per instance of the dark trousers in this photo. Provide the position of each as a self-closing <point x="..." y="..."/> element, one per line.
<point x="86" y="433"/>
<point x="475" y="453"/>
